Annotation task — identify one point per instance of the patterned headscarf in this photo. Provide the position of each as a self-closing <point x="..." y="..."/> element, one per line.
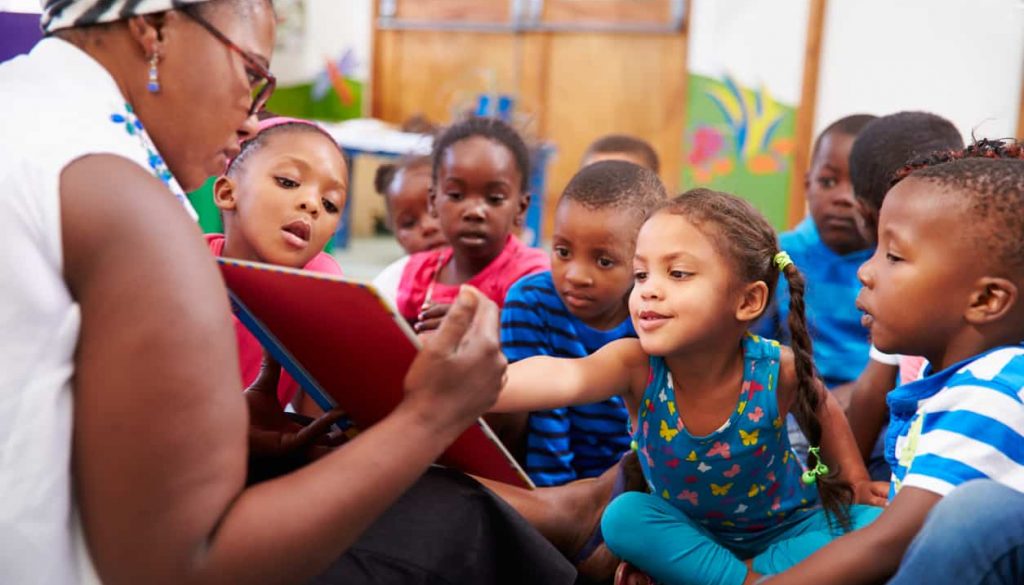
<point x="58" y="14"/>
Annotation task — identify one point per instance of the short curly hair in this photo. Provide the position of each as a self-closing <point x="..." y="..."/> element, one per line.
<point x="989" y="175"/>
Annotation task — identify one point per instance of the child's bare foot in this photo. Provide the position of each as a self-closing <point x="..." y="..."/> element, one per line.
<point x="569" y="516"/>
<point x="627" y="574"/>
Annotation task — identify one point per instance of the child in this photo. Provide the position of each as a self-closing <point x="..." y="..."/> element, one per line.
<point x="828" y="248"/>
<point x="707" y="403"/>
<point x="281" y="198"/>
<point x="956" y="301"/>
<point x="405" y="187"/>
<point x="884" y="146"/>
<point x="622" y="147"/>
<point x="576" y="308"/>
<point x="480" y="175"/>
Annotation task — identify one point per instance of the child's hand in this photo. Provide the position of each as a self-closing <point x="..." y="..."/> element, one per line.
<point x="430" y="318"/>
<point x="872" y="493"/>
<point x="457" y="375"/>
<point x="271" y="432"/>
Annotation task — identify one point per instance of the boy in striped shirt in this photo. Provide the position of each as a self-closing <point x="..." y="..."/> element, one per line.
<point x="576" y="308"/>
<point x="945" y="283"/>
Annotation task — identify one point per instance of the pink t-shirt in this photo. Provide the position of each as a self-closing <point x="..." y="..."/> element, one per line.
<point x="515" y="261"/>
<point x="250" y="352"/>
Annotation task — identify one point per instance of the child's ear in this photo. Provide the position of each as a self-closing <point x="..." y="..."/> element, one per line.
<point x="993" y="298"/>
<point x="432" y="201"/>
<point x="224" y="194"/>
<point x="753" y="302"/>
<point x="524" y="204"/>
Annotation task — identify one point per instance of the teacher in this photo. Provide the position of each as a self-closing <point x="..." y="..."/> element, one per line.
<point x="123" y="428"/>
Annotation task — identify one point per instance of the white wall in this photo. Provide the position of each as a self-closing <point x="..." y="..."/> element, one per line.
<point x="760" y="43"/>
<point x="961" y="59"/>
<point x="329" y="28"/>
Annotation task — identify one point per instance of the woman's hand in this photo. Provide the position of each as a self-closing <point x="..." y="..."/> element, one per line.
<point x="272" y="433"/>
<point x="458" y="374"/>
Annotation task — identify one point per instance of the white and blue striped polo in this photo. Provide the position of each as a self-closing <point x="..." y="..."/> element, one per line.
<point x="965" y="422"/>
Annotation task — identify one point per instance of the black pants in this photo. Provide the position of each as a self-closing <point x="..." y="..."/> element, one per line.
<point x="446" y="529"/>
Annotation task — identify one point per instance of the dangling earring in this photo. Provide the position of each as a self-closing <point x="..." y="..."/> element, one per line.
<point x="154" y="83"/>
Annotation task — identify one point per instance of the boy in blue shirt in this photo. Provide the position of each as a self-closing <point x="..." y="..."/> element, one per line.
<point x="828" y="248"/>
<point x="945" y="283"/>
<point x="576" y="308"/>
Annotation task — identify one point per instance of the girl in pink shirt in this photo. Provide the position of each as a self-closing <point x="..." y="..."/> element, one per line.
<point x="480" y="170"/>
<point x="281" y="199"/>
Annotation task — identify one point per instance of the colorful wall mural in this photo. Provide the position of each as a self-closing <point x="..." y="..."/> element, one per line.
<point x="739" y="140"/>
<point x="745" y="79"/>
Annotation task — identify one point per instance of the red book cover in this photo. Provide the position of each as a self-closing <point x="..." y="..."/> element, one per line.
<point x="344" y="344"/>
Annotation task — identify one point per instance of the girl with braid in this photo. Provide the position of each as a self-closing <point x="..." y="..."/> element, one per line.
<point x="728" y="501"/>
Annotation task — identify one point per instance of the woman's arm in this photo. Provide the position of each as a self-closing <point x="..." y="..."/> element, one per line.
<point x="871" y="554"/>
<point x="160" y="422"/>
<point x="542" y="382"/>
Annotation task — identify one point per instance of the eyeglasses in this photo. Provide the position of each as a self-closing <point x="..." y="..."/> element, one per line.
<point x="261" y="80"/>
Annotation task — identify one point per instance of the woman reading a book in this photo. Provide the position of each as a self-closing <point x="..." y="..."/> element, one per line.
<point x="116" y="381"/>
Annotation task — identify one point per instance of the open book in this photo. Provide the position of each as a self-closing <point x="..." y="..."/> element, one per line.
<point x="345" y="345"/>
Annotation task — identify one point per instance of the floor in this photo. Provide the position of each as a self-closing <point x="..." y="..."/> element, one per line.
<point x="366" y="257"/>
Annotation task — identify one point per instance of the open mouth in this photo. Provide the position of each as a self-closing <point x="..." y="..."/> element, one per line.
<point x="473" y="238"/>
<point x="867" y="318"/>
<point x="297" y="233"/>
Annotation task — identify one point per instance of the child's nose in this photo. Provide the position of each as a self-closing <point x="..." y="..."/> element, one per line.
<point x="578" y="275"/>
<point x="308" y="204"/>
<point x="475" y="210"/>
<point x="844" y="198"/>
<point x="649" y="289"/>
<point x="865" y="275"/>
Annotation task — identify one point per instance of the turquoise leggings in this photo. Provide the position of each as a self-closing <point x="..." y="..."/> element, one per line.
<point x="665" y="543"/>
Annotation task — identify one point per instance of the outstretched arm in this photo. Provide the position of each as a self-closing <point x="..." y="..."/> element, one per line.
<point x="541" y="383"/>
<point x="160" y="443"/>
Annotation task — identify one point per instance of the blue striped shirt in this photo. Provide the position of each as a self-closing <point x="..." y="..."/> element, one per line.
<point x="841" y="343"/>
<point x="965" y="422"/>
<point x="565" y="443"/>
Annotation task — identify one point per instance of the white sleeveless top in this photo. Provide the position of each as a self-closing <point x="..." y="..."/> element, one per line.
<point x="56" y="105"/>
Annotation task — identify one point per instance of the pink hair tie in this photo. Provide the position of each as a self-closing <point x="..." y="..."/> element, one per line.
<point x="276" y="121"/>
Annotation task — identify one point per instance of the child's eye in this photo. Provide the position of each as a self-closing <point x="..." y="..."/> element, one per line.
<point x="827" y="182"/>
<point x="605" y="262"/>
<point x="678" y="274"/>
<point x="562" y="252"/>
<point x="892" y="258"/>
<point x="495" y="198"/>
<point x="330" y="207"/>
<point x="639" y="275"/>
<point x="286" y="182"/>
<point x="406" y="224"/>
<point x="454" y="195"/>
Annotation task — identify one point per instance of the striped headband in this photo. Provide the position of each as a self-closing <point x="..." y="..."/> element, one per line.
<point x="58" y="14"/>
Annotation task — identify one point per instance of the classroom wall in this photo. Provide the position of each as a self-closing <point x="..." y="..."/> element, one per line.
<point x="962" y="59"/>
